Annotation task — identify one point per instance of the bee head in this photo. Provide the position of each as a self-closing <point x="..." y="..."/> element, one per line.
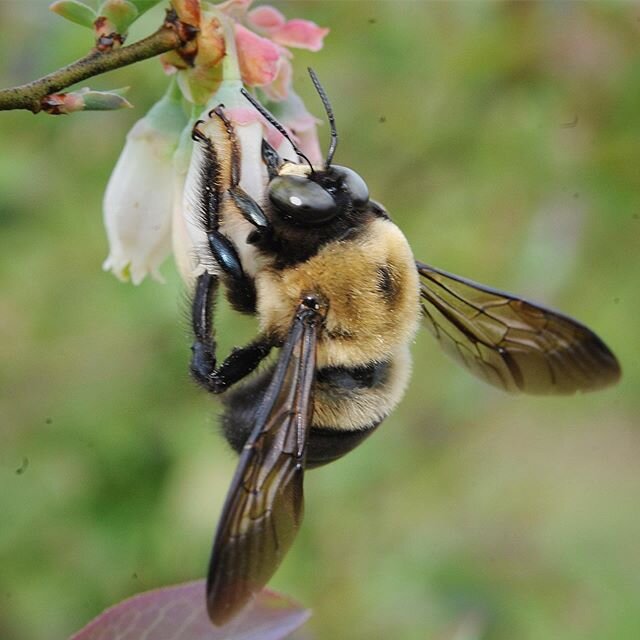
<point x="307" y="196"/>
<point x="315" y="197"/>
<point x="311" y="198"/>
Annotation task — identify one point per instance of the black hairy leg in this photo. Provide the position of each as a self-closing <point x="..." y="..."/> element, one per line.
<point x="240" y="287"/>
<point x="247" y="206"/>
<point x="238" y="364"/>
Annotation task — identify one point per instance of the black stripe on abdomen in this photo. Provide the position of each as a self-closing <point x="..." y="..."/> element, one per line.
<point x="325" y="444"/>
<point x="367" y="376"/>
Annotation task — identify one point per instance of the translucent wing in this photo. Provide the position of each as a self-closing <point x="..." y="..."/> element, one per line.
<point x="263" y="509"/>
<point x="512" y="343"/>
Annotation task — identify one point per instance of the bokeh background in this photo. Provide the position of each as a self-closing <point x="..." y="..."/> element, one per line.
<point x="505" y="140"/>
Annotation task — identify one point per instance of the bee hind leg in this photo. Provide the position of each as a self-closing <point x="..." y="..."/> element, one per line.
<point x="238" y="364"/>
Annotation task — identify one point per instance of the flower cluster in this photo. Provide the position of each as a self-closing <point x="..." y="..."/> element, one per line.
<point x="148" y="204"/>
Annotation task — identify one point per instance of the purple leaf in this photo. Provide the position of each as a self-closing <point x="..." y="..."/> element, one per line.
<point x="178" y="613"/>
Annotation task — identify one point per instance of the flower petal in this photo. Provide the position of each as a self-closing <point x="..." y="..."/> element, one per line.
<point x="293" y="114"/>
<point x="285" y="151"/>
<point x="266" y="18"/>
<point x="253" y="173"/>
<point x="137" y="207"/>
<point x="243" y="115"/>
<point x="235" y="9"/>
<point x="309" y="144"/>
<point x="279" y="89"/>
<point x="137" y="201"/>
<point x="183" y="248"/>
<point x="259" y="58"/>
<point x="303" y="34"/>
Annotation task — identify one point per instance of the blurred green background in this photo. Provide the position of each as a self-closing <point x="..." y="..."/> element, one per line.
<point x="505" y="140"/>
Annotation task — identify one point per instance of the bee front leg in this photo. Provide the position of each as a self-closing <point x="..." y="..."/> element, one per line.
<point x="250" y="210"/>
<point x="241" y="289"/>
<point x="238" y="364"/>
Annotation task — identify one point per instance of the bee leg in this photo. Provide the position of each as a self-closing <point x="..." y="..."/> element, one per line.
<point x="251" y="211"/>
<point x="240" y="287"/>
<point x="271" y="159"/>
<point x="238" y="364"/>
<point x="241" y="290"/>
<point x="212" y="196"/>
<point x="247" y="206"/>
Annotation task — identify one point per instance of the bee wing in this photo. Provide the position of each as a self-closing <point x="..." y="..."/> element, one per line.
<point x="511" y="343"/>
<point x="264" y="506"/>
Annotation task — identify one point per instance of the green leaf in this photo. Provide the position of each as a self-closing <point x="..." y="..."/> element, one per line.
<point x="75" y="11"/>
<point x="120" y="13"/>
<point x="144" y="5"/>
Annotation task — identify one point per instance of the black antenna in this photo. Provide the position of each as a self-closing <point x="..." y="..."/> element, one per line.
<point x="327" y="107"/>
<point x="271" y="120"/>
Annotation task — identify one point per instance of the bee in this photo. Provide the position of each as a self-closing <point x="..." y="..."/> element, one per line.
<point x="335" y="287"/>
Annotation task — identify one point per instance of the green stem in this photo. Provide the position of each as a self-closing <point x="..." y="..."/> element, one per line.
<point x="230" y="64"/>
<point x="29" y="96"/>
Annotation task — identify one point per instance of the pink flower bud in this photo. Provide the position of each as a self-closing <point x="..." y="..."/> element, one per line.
<point x="293" y="114"/>
<point x="279" y="88"/>
<point x="266" y="18"/>
<point x="259" y="58"/>
<point x="302" y="34"/>
<point x="299" y="33"/>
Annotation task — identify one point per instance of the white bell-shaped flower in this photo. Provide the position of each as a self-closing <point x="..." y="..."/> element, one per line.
<point x="138" y="199"/>
<point x="183" y="247"/>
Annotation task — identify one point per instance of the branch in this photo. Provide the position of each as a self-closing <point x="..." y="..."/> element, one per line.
<point x="172" y="35"/>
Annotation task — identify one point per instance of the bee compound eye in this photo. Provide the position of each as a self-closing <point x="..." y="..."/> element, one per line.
<point x="302" y="201"/>
<point x="354" y="184"/>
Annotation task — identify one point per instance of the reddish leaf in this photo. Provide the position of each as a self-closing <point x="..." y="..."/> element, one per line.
<point x="178" y="613"/>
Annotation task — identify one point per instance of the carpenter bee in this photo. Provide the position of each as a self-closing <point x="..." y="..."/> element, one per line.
<point x="335" y="287"/>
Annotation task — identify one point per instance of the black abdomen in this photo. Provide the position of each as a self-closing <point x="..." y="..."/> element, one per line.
<point x="326" y="443"/>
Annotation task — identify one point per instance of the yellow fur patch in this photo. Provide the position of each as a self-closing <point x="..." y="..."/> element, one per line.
<point x="361" y="408"/>
<point x="370" y="317"/>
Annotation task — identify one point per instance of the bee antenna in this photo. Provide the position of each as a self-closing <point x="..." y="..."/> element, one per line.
<point x="271" y="120"/>
<point x="329" y="111"/>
